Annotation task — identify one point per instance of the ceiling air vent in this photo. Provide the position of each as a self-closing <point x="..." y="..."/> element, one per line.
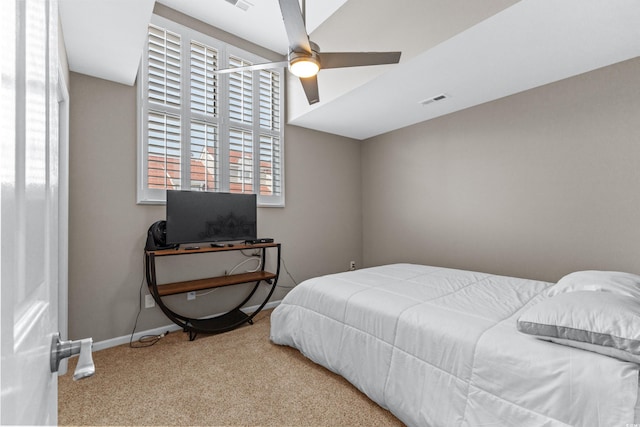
<point x="433" y="99"/>
<point x="242" y="4"/>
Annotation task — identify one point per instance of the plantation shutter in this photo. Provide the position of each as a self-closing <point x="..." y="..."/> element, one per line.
<point x="204" y="166"/>
<point x="240" y="92"/>
<point x="270" y="100"/>
<point x="163" y="119"/>
<point x="164" y="67"/>
<point x="205" y="153"/>
<point x="204" y="131"/>
<point x="163" y="151"/>
<point x="240" y="161"/>
<point x="203" y="81"/>
<point x="270" y="168"/>
<point x="269" y="144"/>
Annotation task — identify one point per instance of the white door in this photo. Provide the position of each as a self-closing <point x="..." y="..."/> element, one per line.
<point x="29" y="200"/>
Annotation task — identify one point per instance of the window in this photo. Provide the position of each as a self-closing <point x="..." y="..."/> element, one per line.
<point x="203" y="131"/>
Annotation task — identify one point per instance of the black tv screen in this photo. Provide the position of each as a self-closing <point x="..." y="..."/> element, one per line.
<point x="196" y="216"/>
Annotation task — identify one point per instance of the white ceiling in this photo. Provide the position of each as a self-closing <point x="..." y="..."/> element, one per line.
<point x="474" y="52"/>
<point x="261" y="23"/>
<point x="104" y="38"/>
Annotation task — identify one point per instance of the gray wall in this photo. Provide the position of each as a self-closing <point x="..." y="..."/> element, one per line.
<point x="534" y="185"/>
<point x="320" y="227"/>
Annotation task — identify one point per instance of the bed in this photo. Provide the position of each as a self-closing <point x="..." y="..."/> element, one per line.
<point x="446" y="347"/>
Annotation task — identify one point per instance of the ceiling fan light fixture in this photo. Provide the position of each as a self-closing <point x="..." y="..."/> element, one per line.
<point x="304" y="68"/>
<point x="304" y="64"/>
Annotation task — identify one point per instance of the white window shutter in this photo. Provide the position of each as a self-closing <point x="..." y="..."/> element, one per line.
<point x="270" y="155"/>
<point x="163" y="151"/>
<point x="164" y="67"/>
<point x="203" y="79"/>
<point x="270" y="166"/>
<point x="204" y="131"/>
<point x="270" y="100"/>
<point x="240" y="92"/>
<point x="205" y="155"/>
<point x="240" y="161"/>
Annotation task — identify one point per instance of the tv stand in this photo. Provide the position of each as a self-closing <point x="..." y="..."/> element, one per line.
<point x="222" y="323"/>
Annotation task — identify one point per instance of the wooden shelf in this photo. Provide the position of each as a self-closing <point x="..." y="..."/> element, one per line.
<point x="205" y="248"/>
<point x="234" y="317"/>
<point x="213" y="282"/>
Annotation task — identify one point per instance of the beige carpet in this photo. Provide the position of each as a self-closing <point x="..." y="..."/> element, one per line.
<point x="231" y="379"/>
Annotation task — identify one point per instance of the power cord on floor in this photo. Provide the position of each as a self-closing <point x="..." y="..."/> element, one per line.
<point x="145" y="340"/>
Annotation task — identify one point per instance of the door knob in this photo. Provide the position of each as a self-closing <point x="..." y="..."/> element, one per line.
<point x="64" y="349"/>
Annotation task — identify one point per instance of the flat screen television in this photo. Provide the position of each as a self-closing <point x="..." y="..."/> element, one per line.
<point x="197" y="216"/>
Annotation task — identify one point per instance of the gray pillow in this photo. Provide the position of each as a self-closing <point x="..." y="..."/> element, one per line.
<point x="604" y="322"/>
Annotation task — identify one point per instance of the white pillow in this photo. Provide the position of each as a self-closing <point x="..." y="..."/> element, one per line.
<point x="604" y="281"/>
<point x="604" y="322"/>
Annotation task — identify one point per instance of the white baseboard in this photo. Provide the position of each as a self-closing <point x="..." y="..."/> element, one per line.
<point x="101" y="345"/>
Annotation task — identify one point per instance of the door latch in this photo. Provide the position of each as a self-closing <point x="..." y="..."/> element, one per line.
<point x="64" y="349"/>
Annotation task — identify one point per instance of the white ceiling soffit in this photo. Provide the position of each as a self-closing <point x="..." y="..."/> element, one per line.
<point x="532" y="43"/>
<point x="472" y="51"/>
<point x="258" y="21"/>
<point x="105" y="38"/>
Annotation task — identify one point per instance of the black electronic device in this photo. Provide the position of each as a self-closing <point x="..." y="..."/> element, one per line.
<point x="256" y="241"/>
<point x="157" y="237"/>
<point x="198" y="216"/>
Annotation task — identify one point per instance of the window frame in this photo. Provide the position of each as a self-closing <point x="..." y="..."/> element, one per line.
<point x="222" y="120"/>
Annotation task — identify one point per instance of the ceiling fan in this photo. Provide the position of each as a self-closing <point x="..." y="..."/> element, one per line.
<point x="305" y="58"/>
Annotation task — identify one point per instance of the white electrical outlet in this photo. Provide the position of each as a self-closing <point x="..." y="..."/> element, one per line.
<point x="352" y="265"/>
<point x="149" y="301"/>
<point x="191" y="295"/>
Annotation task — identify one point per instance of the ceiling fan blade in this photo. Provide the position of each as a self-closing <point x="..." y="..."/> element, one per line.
<point x="310" y="86"/>
<point x="294" y="26"/>
<point x="357" y="59"/>
<point x="265" y="66"/>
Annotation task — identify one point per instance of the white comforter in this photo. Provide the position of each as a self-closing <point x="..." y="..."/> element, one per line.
<point x="439" y="347"/>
